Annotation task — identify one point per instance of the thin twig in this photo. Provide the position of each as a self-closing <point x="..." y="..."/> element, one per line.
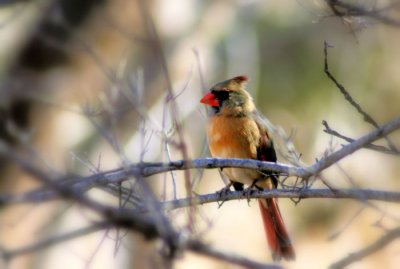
<point x="350" y="99"/>
<point x="82" y="184"/>
<point x="200" y="248"/>
<point x="191" y="245"/>
<point x="351" y="10"/>
<point x="374" y="147"/>
<point x="158" y="49"/>
<point x="357" y="194"/>
<point x="348" y="149"/>
<point x="73" y="187"/>
<point x="303" y="193"/>
<point x="121" y="217"/>
<point x="374" y="247"/>
<point x="7" y="255"/>
<point x="340" y="230"/>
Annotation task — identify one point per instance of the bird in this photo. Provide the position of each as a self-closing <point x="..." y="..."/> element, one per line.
<point x="236" y="130"/>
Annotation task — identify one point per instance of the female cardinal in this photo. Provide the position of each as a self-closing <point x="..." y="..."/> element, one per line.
<point x="236" y="130"/>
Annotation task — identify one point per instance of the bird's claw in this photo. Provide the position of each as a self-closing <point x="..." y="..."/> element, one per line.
<point x="222" y="193"/>
<point x="225" y="190"/>
<point x="250" y="190"/>
<point x="247" y="193"/>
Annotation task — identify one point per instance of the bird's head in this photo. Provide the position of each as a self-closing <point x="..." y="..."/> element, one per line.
<point x="229" y="97"/>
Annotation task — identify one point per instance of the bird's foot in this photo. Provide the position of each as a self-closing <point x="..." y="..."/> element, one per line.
<point x="222" y="193"/>
<point x="247" y="193"/>
<point x="225" y="190"/>
<point x="250" y="190"/>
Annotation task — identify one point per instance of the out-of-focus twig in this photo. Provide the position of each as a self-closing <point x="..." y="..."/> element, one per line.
<point x="53" y="240"/>
<point x="351" y="100"/>
<point x="354" y="193"/>
<point x="347" y="10"/>
<point x="374" y="247"/>
<point x="200" y="248"/>
<point x="145" y="224"/>
<point x="122" y="217"/>
<point x="81" y="184"/>
<point x="192" y="245"/>
<point x="171" y="101"/>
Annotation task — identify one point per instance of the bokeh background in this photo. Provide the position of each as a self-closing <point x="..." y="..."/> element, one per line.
<point x="84" y="85"/>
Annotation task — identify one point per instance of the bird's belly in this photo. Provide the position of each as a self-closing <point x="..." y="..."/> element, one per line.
<point x="242" y="175"/>
<point x="233" y="141"/>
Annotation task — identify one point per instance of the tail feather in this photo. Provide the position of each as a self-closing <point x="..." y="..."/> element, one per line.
<point x="275" y="230"/>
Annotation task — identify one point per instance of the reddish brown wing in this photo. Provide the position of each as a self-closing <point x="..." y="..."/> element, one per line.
<point x="266" y="151"/>
<point x="277" y="234"/>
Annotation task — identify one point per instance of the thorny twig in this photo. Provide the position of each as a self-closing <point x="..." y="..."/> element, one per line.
<point x="150" y="226"/>
<point x="158" y="50"/>
<point x="82" y="184"/>
<point x="358" y="194"/>
<point x="122" y="217"/>
<point x="74" y="187"/>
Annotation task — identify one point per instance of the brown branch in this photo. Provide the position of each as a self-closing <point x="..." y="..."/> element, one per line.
<point x="122" y="217"/>
<point x="74" y="187"/>
<point x="374" y="147"/>
<point x="148" y="225"/>
<point x="357" y="194"/>
<point x="149" y="169"/>
<point x="7" y="255"/>
<point x="159" y="52"/>
<point x="200" y="248"/>
<point x="350" y="99"/>
<point x="374" y="247"/>
<point x="82" y="184"/>
<point x="343" y="9"/>
<point x="191" y="245"/>
<point x="348" y="149"/>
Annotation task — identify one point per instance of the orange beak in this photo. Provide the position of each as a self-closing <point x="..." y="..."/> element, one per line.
<point x="210" y="99"/>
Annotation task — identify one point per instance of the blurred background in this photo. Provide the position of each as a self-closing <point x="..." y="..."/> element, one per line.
<point x="85" y="85"/>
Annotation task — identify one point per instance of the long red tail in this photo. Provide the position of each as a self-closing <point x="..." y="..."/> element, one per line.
<point x="277" y="235"/>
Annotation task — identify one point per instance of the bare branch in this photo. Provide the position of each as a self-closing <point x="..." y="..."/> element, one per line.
<point x="82" y="184"/>
<point x="374" y="247"/>
<point x="192" y="245"/>
<point x="204" y="249"/>
<point x="374" y="147"/>
<point x="159" y="52"/>
<point x="343" y="9"/>
<point x="148" y="169"/>
<point x="345" y="93"/>
<point x="7" y="255"/>
<point x="118" y="217"/>
<point x="125" y="218"/>
<point x="122" y="217"/>
<point x="350" y="99"/>
<point x="357" y="194"/>
<point x="356" y="145"/>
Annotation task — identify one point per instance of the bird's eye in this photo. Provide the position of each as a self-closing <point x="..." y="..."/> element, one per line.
<point x="221" y="95"/>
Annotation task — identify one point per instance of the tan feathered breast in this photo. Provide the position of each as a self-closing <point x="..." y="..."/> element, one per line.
<point x="234" y="137"/>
